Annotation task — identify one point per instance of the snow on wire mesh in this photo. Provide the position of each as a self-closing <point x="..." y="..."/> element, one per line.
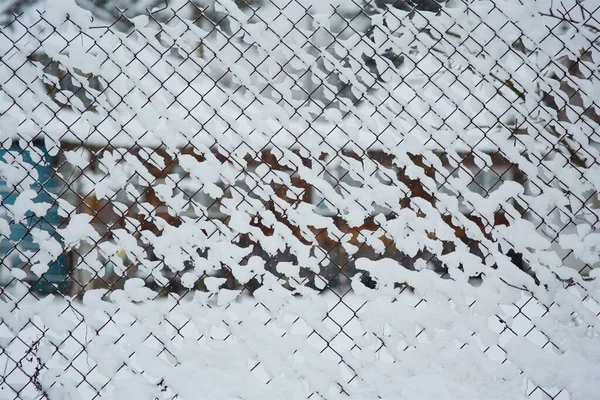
<point x="299" y="199"/>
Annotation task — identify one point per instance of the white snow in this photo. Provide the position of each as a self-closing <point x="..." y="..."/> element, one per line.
<point x="196" y="346"/>
<point x="471" y="75"/>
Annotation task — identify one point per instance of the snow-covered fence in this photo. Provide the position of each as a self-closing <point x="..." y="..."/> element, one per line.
<point x="328" y="199"/>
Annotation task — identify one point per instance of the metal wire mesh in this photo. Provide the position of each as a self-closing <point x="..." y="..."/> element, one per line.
<point x="326" y="199"/>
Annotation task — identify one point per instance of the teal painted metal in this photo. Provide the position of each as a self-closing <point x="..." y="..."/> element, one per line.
<point x="12" y="249"/>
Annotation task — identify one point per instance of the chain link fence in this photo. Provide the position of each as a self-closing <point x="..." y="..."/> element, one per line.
<point x="299" y="199"/>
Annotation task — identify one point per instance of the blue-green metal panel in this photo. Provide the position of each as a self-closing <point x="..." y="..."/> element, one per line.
<point x="46" y="185"/>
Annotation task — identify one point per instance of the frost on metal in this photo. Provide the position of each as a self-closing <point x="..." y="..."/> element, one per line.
<point x="299" y="199"/>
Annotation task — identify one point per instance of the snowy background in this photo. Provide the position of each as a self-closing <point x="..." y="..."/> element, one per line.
<point x="299" y="199"/>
